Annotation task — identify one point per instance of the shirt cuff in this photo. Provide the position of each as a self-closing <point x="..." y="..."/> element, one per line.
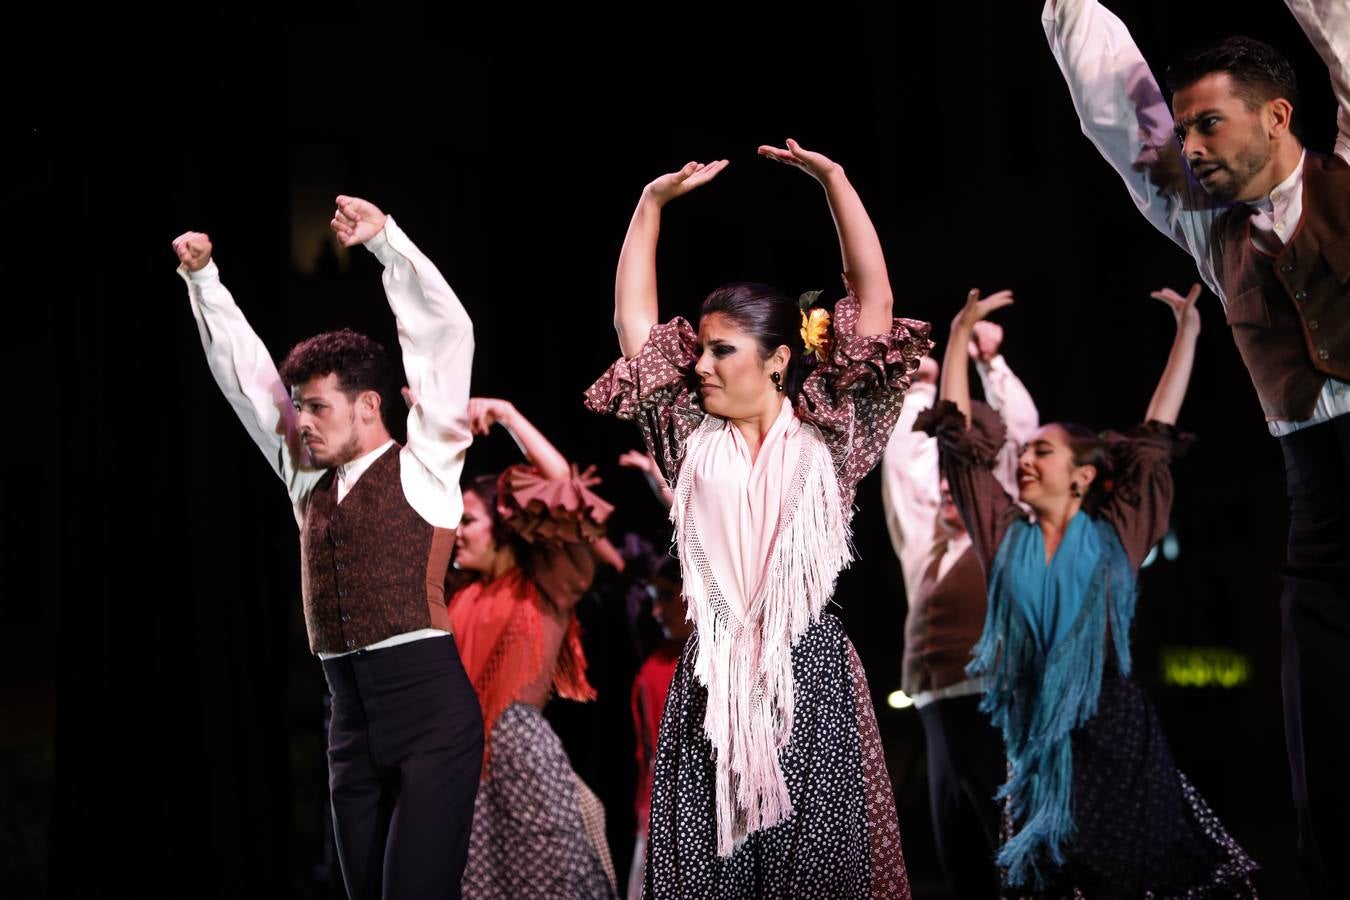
<point x="380" y="244"/>
<point x="205" y="275"/>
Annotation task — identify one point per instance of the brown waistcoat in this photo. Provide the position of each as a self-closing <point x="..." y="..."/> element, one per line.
<point x="370" y="567"/>
<point x="945" y="620"/>
<point x="1290" y="313"/>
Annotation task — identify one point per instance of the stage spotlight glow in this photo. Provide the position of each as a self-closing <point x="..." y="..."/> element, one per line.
<point x="899" y="700"/>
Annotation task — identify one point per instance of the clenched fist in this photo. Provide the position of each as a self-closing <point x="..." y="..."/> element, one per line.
<point x="193" y="249"/>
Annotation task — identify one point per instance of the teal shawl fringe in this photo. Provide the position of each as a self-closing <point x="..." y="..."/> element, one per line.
<point x="1041" y="657"/>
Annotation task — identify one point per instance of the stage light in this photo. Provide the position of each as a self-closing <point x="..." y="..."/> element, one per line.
<point x="899" y="700"/>
<point x="1210" y="667"/>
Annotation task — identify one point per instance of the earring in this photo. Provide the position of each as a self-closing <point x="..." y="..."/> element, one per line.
<point x="1074" y="490"/>
<point x="777" y="379"/>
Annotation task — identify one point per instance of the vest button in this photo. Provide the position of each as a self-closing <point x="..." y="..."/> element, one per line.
<point x="1313" y="324"/>
<point x="1322" y="354"/>
<point x="1300" y="296"/>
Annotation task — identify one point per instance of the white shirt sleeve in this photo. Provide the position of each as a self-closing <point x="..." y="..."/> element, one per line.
<point x="1327" y="25"/>
<point x="244" y="370"/>
<point x="1004" y="391"/>
<point x="910" y="488"/>
<point x="436" y="336"/>
<point x="1124" y="114"/>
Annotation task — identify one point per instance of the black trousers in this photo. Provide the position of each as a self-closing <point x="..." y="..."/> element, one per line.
<point x="405" y="749"/>
<point x="1315" y="648"/>
<point x="965" y="768"/>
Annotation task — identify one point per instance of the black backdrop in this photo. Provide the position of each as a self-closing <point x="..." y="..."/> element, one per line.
<point x="161" y="716"/>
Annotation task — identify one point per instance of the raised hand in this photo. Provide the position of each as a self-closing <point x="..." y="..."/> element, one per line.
<point x="676" y="184"/>
<point x="193" y="249"/>
<point x="1183" y="308"/>
<point x="977" y="309"/>
<point x="640" y="460"/>
<point x="356" y="221"/>
<point x="484" y="412"/>
<point x="985" y="339"/>
<point x="817" y="165"/>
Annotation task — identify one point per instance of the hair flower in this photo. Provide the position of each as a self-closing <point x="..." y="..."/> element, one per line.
<point x="816" y="332"/>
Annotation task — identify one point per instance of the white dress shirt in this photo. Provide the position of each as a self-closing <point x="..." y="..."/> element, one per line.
<point x="1124" y="114"/>
<point x="436" y="337"/>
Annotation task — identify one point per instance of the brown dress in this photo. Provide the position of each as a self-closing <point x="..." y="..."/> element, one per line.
<point x="1141" y="828"/>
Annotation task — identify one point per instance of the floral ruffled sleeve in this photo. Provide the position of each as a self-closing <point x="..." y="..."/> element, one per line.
<point x="854" y="395"/>
<point x="1138" y="502"/>
<point x="560" y="520"/>
<point x="655" y="389"/>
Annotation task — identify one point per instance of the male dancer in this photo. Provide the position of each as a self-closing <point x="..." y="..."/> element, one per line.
<point x="946" y="592"/>
<point x="1268" y="224"/>
<point x="376" y="531"/>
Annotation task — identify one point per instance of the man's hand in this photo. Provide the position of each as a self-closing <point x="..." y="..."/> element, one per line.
<point x="985" y="340"/>
<point x="356" y="221"/>
<point x="193" y="249"/>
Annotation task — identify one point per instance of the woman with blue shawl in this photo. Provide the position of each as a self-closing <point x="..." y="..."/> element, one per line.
<point x="1094" y="805"/>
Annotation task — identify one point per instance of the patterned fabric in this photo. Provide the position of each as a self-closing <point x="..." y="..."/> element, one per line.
<point x="1142" y="829"/>
<point x="842" y="840"/>
<point x="529" y="837"/>
<point x="854" y="397"/>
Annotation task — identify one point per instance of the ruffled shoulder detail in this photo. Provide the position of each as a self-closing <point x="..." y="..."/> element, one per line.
<point x="976" y="444"/>
<point x="1137" y="452"/>
<point x="549" y="511"/>
<point x="860" y="365"/>
<point x="664" y="366"/>
<point x="853" y="396"/>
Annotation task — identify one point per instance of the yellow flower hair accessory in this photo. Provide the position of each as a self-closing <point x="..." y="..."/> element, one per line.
<point x="815" y="326"/>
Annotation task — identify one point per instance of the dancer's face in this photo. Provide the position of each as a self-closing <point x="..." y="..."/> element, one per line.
<point x="734" y="381"/>
<point x="329" y="421"/>
<point x="475" y="549"/>
<point x="669" y="610"/>
<point x="1226" y="144"/>
<point x="1046" y="472"/>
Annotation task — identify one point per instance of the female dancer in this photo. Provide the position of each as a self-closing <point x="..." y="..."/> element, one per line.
<point x="769" y="777"/>
<point x="526" y="539"/>
<point x="1094" y="804"/>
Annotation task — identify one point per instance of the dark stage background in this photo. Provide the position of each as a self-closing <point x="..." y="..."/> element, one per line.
<point x="161" y="716"/>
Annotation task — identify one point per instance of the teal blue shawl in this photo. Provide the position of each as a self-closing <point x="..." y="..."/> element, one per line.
<point x="1041" y="656"/>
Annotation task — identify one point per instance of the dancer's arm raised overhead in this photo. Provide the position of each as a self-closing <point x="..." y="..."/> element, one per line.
<point x="436" y="336"/>
<point x="859" y="246"/>
<point x="484" y="412"/>
<point x="1176" y="376"/>
<point x="1327" y="25"/>
<point x="243" y="368"/>
<point x="635" y="305"/>
<point x="955" y="383"/>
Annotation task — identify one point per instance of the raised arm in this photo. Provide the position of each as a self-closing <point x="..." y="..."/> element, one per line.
<point x="955" y="382"/>
<point x="242" y="367"/>
<point x="436" y="336"/>
<point x="1171" y="391"/>
<point x="1327" y="25"/>
<point x="644" y="462"/>
<point x="635" y="306"/>
<point x="864" y="263"/>
<point x="1125" y="116"/>
<point x="538" y="450"/>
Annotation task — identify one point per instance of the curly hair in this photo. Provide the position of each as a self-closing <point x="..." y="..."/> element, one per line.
<point x="360" y="364"/>
<point x="1260" y="72"/>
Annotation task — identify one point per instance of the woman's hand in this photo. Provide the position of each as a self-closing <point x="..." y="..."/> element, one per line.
<point x="677" y="184"/>
<point x="1183" y="308"/>
<point x="484" y="412"/>
<point x="977" y="309"/>
<point x="817" y="165"/>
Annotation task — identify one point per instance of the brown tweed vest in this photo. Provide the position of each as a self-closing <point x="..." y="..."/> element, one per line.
<point x="1290" y="313"/>
<point x="370" y="567"/>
